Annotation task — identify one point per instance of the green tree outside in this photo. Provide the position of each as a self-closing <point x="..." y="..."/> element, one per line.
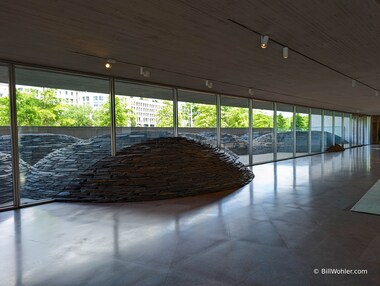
<point x="125" y="116"/>
<point x="34" y="110"/>
<point x="302" y="122"/>
<point x="164" y="116"/>
<point x="234" y="117"/>
<point x="4" y="111"/>
<point x="282" y="124"/>
<point x="261" y="120"/>
<point x="77" y="116"/>
<point x="205" y="116"/>
<point x="187" y="114"/>
<point x="45" y="109"/>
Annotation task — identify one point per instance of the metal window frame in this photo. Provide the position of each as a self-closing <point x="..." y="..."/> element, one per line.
<point x="309" y="133"/>
<point x="323" y="130"/>
<point x="274" y="131"/>
<point x="14" y="137"/>
<point x="218" y="121"/>
<point x="294" y="132"/>
<point x="333" y="128"/>
<point x="250" y="131"/>
<point x="175" y="112"/>
<point x="113" y="116"/>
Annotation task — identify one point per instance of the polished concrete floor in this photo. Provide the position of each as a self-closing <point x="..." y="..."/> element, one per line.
<point x="293" y="218"/>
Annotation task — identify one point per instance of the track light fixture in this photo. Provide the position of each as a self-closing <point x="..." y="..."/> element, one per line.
<point x="251" y="91"/>
<point x="208" y="83"/>
<point x="144" y="72"/>
<point x="108" y="64"/>
<point x="264" y="41"/>
<point x="285" y="52"/>
<point x="353" y="83"/>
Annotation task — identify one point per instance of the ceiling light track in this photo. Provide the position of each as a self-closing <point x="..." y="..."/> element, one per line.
<point x="251" y="90"/>
<point x="299" y="53"/>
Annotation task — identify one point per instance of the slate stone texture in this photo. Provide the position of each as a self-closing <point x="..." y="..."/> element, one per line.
<point x="70" y="168"/>
<point x="158" y="169"/>
<point x="33" y="147"/>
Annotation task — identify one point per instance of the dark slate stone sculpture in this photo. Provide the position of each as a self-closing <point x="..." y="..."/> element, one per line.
<point x="158" y="169"/>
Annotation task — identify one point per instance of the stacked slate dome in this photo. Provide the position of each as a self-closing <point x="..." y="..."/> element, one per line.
<point x="158" y="169"/>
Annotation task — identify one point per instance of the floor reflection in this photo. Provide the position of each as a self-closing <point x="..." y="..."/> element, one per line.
<point x="18" y="247"/>
<point x="290" y="219"/>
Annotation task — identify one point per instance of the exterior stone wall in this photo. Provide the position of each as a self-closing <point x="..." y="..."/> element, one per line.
<point x="33" y="147"/>
<point x="158" y="169"/>
<point x="55" y="172"/>
<point x="50" y="163"/>
<point x="263" y="144"/>
<point x="6" y="179"/>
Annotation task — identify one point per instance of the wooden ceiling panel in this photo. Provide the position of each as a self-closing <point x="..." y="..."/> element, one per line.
<point x="185" y="42"/>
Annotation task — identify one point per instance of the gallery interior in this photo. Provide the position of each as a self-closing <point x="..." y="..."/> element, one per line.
<point x="189" y="142"/>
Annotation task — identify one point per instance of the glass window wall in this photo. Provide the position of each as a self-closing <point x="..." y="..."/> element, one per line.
<point x="197" y="116"/>
<point x="316" y="130"/>
<point x="142" y="112"/>
<point x="363" y="126"/>
<point x="302" y="131"/>
<point x="6" y="175"/>
<point x="235" y="127"/>
<point x="285" y="129"/>
<point x="354" y="130"/>
<point x="262" y="131"/>
<point x="64" y="128"/>
<point x="65" y="123"/>
<point x="338" y="127"/>
<point x="346" y="130"/>
<point x="360" y="130"/>
<point x="368" y="131"/>
<point x="328" y="129"/>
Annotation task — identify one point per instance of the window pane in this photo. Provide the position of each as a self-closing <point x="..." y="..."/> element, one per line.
<point x="359" y="131"/>
<point x="143" y="112"/>
<point x="364" y="126"/>
<point x="368" y="130"/>
<point x="6" y="177"/>
<point x="235" y="125"/>
<point x="284" y="131"/>
<point x="197" y="116"/>
<point x="316" y="131"/>
<point x="338" y="127"/>
<point x="328" y="129"/>
<point x="60" y="134"/>
<point x="362" y="129"/>
<point x="302" y="131"/>
<point x="346" y="128"/>
<point x="354" y="130"/>
<point x="262" y="131"/>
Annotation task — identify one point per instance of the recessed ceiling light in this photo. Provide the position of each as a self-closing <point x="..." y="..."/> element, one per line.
<point x="264" y="41"/>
